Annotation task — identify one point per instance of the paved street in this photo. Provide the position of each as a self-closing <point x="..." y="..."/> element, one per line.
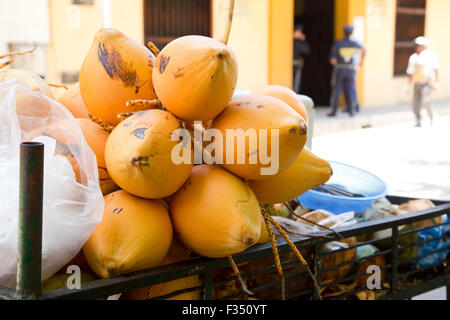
<point x="413" y="161"/>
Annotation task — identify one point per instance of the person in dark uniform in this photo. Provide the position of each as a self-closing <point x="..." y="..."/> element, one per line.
<point x="346" y="57"/>
<point x="301" y="49"/>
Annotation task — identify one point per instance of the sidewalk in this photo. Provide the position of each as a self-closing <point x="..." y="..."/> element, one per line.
<point x="370" y="117"/>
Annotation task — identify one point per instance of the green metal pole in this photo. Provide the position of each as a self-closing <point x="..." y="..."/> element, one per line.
<point x="29" y="247"/>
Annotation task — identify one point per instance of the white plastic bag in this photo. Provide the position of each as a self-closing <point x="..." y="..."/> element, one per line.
<point x="71" y="209"/>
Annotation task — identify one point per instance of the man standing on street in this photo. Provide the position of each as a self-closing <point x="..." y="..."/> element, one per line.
<point x="301" y="49"/>
<point x="346" y="57"/>
<point x="423" y="72"/>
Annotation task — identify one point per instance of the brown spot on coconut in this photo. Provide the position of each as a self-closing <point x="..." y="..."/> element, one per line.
<point x="115" y="70"/>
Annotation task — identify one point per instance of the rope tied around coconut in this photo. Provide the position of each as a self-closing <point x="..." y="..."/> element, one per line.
<point x="237" y="273"/>
<point x="294" y="249"/>
<point x="276" y="254"/>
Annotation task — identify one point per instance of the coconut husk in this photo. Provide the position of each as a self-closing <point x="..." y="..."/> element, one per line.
<point x="300" y="210"/>
<point x="327" y="219"/>
<point x="415" y="205"/>
<point x="317" y="216"/>
<point x="419" y="205"/>
<point x="383" y="209"/>
<point x="336" y="290"/>
<point x="362" y="265"/>
<point x="338" y="258"/>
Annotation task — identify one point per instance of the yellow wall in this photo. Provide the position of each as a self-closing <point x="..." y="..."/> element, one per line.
<point x="436" y="29"/>
<point x="71" y="32"/>
<point x="128" y="17"/>
<point x="382" y="88"/>
<point x="341" y="17"/>
<point x="345" y="12"/>
<point x="72" y="29"/>
<point x="281" y="27"/>
<point x="249" y="40"/>
<point x="261" y="36"/>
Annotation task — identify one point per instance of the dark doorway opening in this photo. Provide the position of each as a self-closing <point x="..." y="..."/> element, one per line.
<point x="317" y="19"/>
<point x="166" y="20"/>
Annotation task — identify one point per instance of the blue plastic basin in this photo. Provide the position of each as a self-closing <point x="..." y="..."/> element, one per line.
<point x="351" y="179"/>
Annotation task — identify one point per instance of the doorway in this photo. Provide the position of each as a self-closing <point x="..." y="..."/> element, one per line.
<point x="317" y="19"/>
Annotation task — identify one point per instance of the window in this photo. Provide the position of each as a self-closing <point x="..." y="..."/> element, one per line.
<point x="166" y="20"/>
<point x="410" y="23"/>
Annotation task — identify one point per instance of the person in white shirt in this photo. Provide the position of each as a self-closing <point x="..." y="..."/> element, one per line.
<point x="423" y="73"/>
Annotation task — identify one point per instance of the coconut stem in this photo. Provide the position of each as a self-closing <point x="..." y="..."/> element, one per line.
<point x="225" y="34"/>
<point x="153" y="48"/>
<point x="58" y="86"/>
<point x="197" y="146"/>
<point x="148" y="104"/>
<point x="123" y="116"/>
<point x="19" y="53"/>
<point x="276" y="254"/>
<point x="294" y="248"/>
<point x="7" y="63"/>
<point x="105" y="126"/>
<point x="156" y="104"/>
<point x="238" y="275"/>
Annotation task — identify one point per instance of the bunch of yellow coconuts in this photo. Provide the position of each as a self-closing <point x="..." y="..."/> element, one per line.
<point x="130" y="102"/>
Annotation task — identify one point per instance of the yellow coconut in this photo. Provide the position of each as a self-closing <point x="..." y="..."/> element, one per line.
<point x="138" y="155"/>
<point x="305" y="173"/>
<point x="33" y="110"/>
<point x="96" y="138"/>
<point x="195" y="77"/>
<point x="61" y="280"/>
<point x="32" y="80"/>
<point x="116" y="69"/>
<point x="264" y="236"/>
<point x="73" y="101"/>
<point x="285" y="95"/>
<point x="134" y="234"/>
<point x="260" y="123"/>
<point x="176" y="254"/>
<point x="215" y="214"/>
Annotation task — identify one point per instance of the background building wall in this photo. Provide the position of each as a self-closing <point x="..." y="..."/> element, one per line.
<point x="437" y="28"/>
<point x="72" y="30"/>
<point x="21" y="30"/>
<point x="347" y="12"/>
<point x="249" y="40"/>
<point x="281" y="26"/>
<point x="381" y="87"/>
